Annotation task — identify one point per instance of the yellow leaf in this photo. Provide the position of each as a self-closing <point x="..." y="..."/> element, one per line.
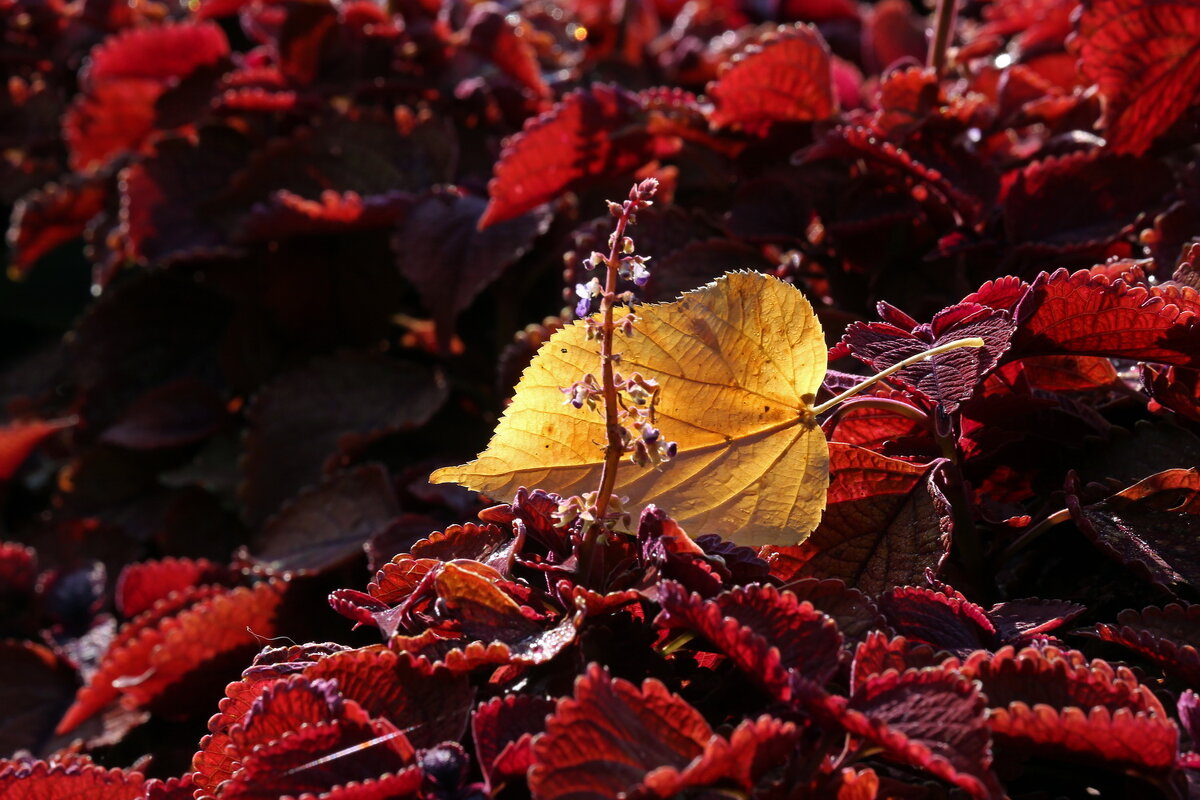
<point x="739" y="362"/>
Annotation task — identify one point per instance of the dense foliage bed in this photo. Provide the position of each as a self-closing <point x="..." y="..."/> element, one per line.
<point x="272" y="263"/>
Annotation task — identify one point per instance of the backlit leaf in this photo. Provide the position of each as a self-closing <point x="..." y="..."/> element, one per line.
<point x="589" y="134"/>
<point x="613" y="739"/>
<point x="739" y="360"/>
<point x="770" y="635"/>
<point x="19" y="439"/>
<point x="1088" y="313"/>
<point x="1053" y="702"/>
<point x="1145" y="59"/>
<point x="39" y="780"/>
<point x="932" y="719"/>
<point x="785" y="77"/>
<point x="1150" y="526"/>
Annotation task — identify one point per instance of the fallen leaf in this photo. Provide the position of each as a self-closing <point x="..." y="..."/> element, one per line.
<point x="739" y="360"/>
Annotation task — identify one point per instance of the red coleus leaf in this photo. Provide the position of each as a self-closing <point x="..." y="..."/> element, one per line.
<point x="302" y="39"/>
<point x="143" y="584"/>
<point x="175" y="202"/>
<point x="491" y="546"/>
<point x="1145" y="59"/>
<point x="320" y="757"/>
<point x="166" y="656"/>
<point x="1082" y="200"/>
<point x="878" y="653"/>
<point x="1060" y="373"/>
<point x="1049" y="701"/>
<point x="441" y="250"/>
<point x="19" y="439"/>
<point x="1034" y="22"/>
<point x="285" y="706"/>
<point x="1149" y="526"/>
<point x="170" y="789"/>
<point x="399" y="578"/>
<point x="503" y="729"/>
<point x="428" y="705"/>
<point x="770" y="635"/>
<point x="856" y="614"/>
<point x="535" y="509"/>
<point x="488" y="544"/>
<point x="784" y="76"/>
<point x="44" y="219"/>
<point x="175" y="414"/>
<point x="667" y="546"/>
<point x="910" y="97"/>
<point x="328" y="524"/>
<point x="590" y="133"/>
<point x="474" y="600"/>
<point x="306" y="420"/>
<point x="949" y="378"/>
<point x="213" y="763"/>
<point x="883" y="527"/>
<point x="1090" y="314"/>
<point x="742" y="563"/>
<point x="300" y="736"/>
<point x="945" y="621"/>
<point x="932" y="719"/>
<point x="1017" y="620"/>
<point x="484" y="624"/>
<point x="76" y="778"/>
<point x="893" y="31"/>
<point x="861" y="422"/>
<point x="431" y="705"/>
<point x="287" y="215"/>
<point x="612" y="739"/>
<point x="128" y="74"/>
<point x="1166" y="636"/>
<point x="1174" y="388"/>
<point x="491" y="33"/>
<point x="906" y="98"/>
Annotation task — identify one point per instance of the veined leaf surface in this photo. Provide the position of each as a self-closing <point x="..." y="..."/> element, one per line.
<point x="739" y="361"/>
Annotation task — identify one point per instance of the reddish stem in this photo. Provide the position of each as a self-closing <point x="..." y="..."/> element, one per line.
<point x="612" y="425"/>
<point x="944" y="16"/>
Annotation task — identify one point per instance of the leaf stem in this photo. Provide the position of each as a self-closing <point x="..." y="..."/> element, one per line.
<point x="892" y="370"/>
<point x="944" y="18"/>
<point x="967" y="546"/>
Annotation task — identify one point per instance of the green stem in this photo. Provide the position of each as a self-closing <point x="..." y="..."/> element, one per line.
<point x="892" y="370"/>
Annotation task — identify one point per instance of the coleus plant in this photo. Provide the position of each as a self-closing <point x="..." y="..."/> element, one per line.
<point x="305" y="230"/>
